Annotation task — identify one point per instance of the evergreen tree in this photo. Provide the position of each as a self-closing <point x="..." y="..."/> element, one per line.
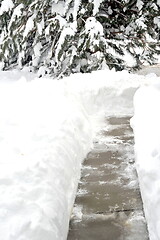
<point x="78" y="35"/>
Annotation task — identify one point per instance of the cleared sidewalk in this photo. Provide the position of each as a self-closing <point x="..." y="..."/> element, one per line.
<point x="108" y="205"/>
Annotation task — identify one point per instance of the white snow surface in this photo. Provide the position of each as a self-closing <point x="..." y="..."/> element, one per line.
<point x="6" y="5"/>
<point x="146" y="125"/>
<point x="46" y="130"/>
<point x="29" y="26"/>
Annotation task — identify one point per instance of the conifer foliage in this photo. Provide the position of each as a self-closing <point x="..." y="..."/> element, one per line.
<point x="67" y="36"/>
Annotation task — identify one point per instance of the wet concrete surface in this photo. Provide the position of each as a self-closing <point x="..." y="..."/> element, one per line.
<point x="108" y="205"/>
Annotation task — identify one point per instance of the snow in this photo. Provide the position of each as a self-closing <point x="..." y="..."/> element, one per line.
<point x="93" y="27"/>
<point x="96" y="6"/>
<point x="37" y="53"/>
<point x="6" y="5"/>
<point x="16" y="13"/>
<point x="76" y="8"/>
<point x="46" y="129"/>
<point x="157" y="21"/>
<point x="40" y="26"/>
<point x="140" y="22"/>
<point x="42" y="146"/>
<point x="58" y="7"/>
<point x="147" y="148"/>
<point x="29" y="26"/>
<point x="158" y="2"/>
<point x="151" y="69"/>
<point x="139" y="4"/>
<point x="66" y="32"/>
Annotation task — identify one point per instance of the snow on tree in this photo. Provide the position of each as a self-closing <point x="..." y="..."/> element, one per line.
<point x="63" y="37"/>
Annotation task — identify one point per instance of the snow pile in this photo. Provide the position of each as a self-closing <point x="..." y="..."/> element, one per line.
<point x="106" y="92"/>
<point x="146" y="124"/>
<point x="44" y="136"/>
<point x="46" y="130"/>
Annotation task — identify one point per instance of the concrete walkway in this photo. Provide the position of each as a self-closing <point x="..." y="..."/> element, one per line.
<point x="108" y="205"/>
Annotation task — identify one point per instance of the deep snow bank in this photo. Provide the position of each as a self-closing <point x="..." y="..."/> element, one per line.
<point x="46" y="130"/>
<point x="44" y="136"/>
<point x="146" y="124"/>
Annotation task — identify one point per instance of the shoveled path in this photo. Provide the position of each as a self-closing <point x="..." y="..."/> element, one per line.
<point x="108" y="205"/>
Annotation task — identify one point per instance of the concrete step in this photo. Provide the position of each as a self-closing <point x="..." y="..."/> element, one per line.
<point x="108" y="204"/>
